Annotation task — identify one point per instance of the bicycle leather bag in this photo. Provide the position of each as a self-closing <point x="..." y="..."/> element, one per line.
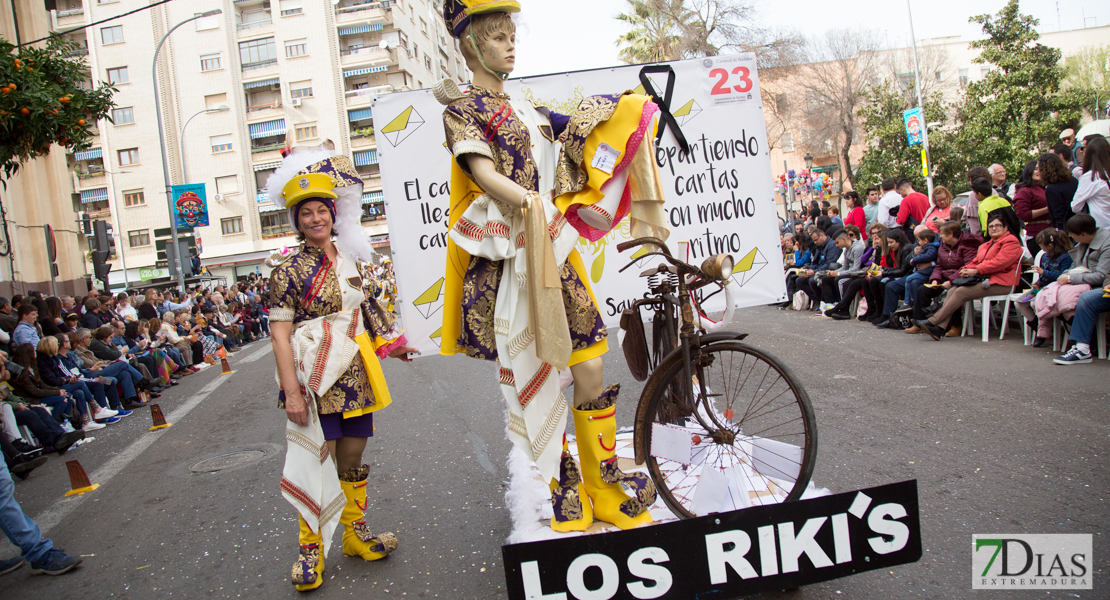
<point x="635" y="344"/>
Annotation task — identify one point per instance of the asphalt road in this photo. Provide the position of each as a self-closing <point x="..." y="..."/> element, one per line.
<point x="999" y="439"/>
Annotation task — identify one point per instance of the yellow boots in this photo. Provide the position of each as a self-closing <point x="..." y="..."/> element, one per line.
<point x="568" y="497"/>
<point x="596" y="426"/>
<point x="357" y="538"/>
<point x="308" y="571"/>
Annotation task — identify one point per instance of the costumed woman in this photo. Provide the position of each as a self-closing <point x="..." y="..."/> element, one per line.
<point x="328" y="336"/>
<point x="517" y="291"/>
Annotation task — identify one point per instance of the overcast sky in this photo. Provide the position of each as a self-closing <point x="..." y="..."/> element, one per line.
<point x="570" y="35"/>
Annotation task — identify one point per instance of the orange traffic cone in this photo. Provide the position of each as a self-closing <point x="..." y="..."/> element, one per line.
<point x="226" y="367"/>
<point x="78" y="479"/>
<point x="159" y="418"/>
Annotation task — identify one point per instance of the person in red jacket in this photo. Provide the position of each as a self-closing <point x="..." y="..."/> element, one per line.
<point x="957" y="249"/>
<point x="997" y="260"/>
<point x="911" y="212"/>
<point x="855" y="215"/>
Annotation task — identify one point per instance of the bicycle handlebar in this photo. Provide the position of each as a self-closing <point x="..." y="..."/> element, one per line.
<point x="621" y="247"/>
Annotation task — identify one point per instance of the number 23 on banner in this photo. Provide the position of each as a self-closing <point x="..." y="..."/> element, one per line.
<point x="742" y="75"/>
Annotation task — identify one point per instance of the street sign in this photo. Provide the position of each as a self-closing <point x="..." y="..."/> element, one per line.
<point x="148" y="274"/>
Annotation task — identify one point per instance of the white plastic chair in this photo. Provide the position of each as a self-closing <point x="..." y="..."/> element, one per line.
<point x="986" y="301"/>
<point x="1100" y="335"/>
<point x="1027" y="332"/>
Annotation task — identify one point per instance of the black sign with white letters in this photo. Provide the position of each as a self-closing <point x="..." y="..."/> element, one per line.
<point x="726" y="555"/>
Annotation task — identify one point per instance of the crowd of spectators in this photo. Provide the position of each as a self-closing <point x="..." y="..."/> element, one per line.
<point x="70" y="366"/>
<point x="915" y="262"/>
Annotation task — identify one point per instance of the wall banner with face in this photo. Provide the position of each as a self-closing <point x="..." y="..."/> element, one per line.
<point x="190" y="205"/>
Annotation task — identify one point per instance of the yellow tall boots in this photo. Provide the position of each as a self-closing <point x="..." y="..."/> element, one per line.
<point x="308" y="571"/>
<point x="357" y="538"/>
<point x="596" y="426"/>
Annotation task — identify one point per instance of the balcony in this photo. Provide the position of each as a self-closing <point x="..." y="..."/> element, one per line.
<point x="366" y="55"/>
<point x="265" y="112"/>
<point x="363" y="12"/>
<point x="253" y="28"/>
<point x="361" y="141"/>
<point x="65" y="19"/>
<point x="89" y="180"/>
<point x="260" y="69"/>
<point x="366" y="95"/>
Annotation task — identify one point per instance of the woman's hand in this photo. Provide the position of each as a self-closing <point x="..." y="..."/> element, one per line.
<point x="296" y="409"/>
<point x="1038" y="270"/>
<point x="1063" y="279"/>
<point x="947" y="285"/>
<point x="402" y="352"/>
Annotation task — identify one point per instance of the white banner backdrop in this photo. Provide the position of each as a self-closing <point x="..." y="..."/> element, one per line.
<point x="719" y="196"/>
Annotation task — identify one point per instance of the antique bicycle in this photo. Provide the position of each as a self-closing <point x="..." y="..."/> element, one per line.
<point x="745" y="414"/>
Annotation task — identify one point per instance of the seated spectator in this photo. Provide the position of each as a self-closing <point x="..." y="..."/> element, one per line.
<point x="803" y="256"/>
<point x="97" y="395"/>
<point x="165" y="333"/>
<point x="37" y="418"/>
<point x="1092" y="193"/>
<point x="148" y="309"/>
<point x="1092" y="251"/>
<point x="787" y="249"/>
<point x="124" y="308"/>
<point x="27" y="331"/>
<point x="890" y="260"/>
<point x="8" y="320"/>
<point x="892" y="280"/>
<point x="92" y="318"/>
<point x="990" y="204"/>
<point x="826" y="253"/>
<point x="905" y="288"/>
<point x="130" y="379"/>
<point x="993" y="272"/>
<point x="871" y="207"/>
<point x="146" y="352"/>
<point x="28" y="384"/>
<point x="957" y="249"/>
<point x="834" y="215"/>
<point x="851" y="258"/>
<point x="1054" y="261"/>
<point x="941" y="209"/>
<point x="50" y="317"/>
<point x="1059" y="188"/>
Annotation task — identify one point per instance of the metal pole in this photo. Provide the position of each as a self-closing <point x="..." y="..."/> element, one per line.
<point x="181" y="137"/>
<point x="921" y="103"/>
<point x="789" y="193"/>
<point x="116" y="227"/>
<point x="165" y="154"/>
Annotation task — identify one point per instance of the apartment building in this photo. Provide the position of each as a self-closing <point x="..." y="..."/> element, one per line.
<point x="232" y="86"/>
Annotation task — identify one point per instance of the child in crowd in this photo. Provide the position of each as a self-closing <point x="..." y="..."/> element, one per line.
<point x="1053" y="261"/>
<point x="923" y="261"/>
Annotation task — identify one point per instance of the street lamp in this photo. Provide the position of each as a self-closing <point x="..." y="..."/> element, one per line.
<point x="117" y="224"/>
<point x="809" y="161"/>
<point x="181" y="138"/>
<point x="162" y="142"/>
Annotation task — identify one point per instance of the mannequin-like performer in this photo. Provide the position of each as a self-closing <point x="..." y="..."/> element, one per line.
<point x="517" y="291"/>
<point x="328" y="336"/>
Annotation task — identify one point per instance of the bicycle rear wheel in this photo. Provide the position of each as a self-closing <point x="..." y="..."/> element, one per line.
<point x="755" y="426"/>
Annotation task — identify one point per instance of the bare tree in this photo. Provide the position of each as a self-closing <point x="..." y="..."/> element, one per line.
<point x="840" y="69"/>
<point x="936" y="70"/>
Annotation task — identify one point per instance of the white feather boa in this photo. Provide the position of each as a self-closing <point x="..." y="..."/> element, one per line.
<point x="348" y="206"/>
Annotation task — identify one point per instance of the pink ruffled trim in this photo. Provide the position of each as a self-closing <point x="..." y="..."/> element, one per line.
<point x="384" y="351"/>
<point x="592" y="233"/>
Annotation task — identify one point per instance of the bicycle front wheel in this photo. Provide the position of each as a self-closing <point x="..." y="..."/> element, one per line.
<point x="751" y="422"/>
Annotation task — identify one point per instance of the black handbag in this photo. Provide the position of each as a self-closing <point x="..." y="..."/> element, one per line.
<point x="964" y="281"/>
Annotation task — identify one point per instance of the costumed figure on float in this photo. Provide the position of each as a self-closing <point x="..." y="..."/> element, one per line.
<point x="517" y="291"/>
<point x="329" y="334"/>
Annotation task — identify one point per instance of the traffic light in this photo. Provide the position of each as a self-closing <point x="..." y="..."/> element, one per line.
<point x="103" y="247"/>
<point x="186" y="258"/>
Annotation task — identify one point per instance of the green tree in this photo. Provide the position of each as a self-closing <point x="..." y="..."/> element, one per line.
<point x="652" y="36"/>
<point x="1089" y="79"/>
<point x="43" y="102"/>
<point x="888" y="151"/>
<point x="1017" y="110"/>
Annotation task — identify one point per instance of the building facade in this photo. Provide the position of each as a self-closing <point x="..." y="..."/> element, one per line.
<point x="234" y="88"/>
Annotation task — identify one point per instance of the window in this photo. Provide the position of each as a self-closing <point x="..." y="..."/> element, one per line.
<point x="786" y="142"/>
<point x="306" y="132"/>
<point x="206" y="23"/>
<point x="117" y="76"/>
<point x="128" y="157"/>
<point x="138" y="237"/>
<point x="291" y="7"/>
<point x="215" y="100"/>
<point x="256" y="51"/>
<point x="963" y="78"/>
<point x="231" y="226"/>
<point x="123" y="116"/>
<point x="423" y="26"/>
<point x="134" y="198"/>
<point x="300" y="89"/>
<point x="782" y="103"/>
<point x="221" y="143"/>
<point x="404" y="39"/>
<point x="295" y="48"/>
<point x="984" y="71"/>
<point x="210" y="62"/>
<point x="111" y="35"/>
<point x="428" y="62"/>
<point x="275" y="223"/>
<point x="228" y="185"/>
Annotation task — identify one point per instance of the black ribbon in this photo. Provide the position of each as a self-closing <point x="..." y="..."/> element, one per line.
<point x="664" y="103"/>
